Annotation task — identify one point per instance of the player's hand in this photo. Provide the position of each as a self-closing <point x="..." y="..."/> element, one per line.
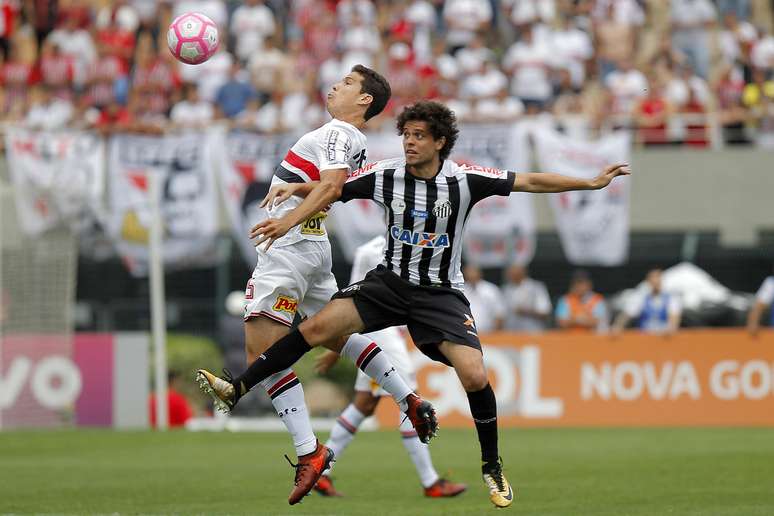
<point x="277" y="195"/>
<point x="610" y="173"/>
<point x="326" y="361"/>
<point x="269" y="231"/>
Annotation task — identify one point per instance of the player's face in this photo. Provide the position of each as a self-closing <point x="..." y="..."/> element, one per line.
<point x="419" y="146"/>
<point x="346" y="94"/>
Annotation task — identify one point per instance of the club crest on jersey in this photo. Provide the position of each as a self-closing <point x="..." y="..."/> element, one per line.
<point x="442" y="208"/>
<point x="286" y="304"/>
<point x="419" y="238"/>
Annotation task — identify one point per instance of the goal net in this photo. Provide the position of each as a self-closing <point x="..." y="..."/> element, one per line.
<point x="37" y="296"/>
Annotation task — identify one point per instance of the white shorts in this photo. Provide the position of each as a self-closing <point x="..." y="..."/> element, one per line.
<point x="289" y="279"/>
<point x="392" y="342"/>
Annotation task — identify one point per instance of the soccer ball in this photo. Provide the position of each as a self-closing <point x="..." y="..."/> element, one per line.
<point x="192" y="38"/>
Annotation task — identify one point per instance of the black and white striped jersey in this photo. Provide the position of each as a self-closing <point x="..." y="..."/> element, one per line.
<point x="426" y="217"/>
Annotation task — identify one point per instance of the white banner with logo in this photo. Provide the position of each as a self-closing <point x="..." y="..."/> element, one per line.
<point x="500" y="230"/>
<point x="246" y="163"/>
<point x="58" y="176"/>
<point x="593" y="225"/>
<point x="188" y="198"/>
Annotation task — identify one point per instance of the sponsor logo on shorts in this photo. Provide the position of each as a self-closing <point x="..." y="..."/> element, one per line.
<point x="419" y="238"/>
<point x="286" y="304"/>
<point x="470" y="324"/>
<point x="314" y="225"/>
<point x="351" y="288"/>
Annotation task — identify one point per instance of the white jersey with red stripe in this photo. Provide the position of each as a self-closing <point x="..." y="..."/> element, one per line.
<point x="335" y="145"/>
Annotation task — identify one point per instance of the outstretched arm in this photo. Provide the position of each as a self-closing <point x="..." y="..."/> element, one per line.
<point x="322" y="194"/>
<point x="553" y="183"/>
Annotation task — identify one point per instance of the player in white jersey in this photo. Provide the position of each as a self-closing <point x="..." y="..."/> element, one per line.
<point x="293" y="275"/>
<point x="426" y="200"/>
<point x="368" y="394"/>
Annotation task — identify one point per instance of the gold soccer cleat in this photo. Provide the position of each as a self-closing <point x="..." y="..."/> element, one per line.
<point x="500" y="491"/>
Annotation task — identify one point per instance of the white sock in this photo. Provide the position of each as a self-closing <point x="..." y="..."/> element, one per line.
<point x="287" y="396"/>
<point x="368" y="357"/>
<point x="419" y="453"/>
<point x="344" y="431"/>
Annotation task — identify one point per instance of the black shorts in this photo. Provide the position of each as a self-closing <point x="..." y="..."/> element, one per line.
<point x="432" y="314"/>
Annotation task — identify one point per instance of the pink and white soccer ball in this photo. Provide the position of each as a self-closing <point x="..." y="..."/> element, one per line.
<point x="192" y="38"/>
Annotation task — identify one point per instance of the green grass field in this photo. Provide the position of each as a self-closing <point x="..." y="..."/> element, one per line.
<point x="556" y="472"/>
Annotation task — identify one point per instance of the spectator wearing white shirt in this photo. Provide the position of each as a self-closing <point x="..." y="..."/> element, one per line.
<point x="484" y="83"/>
<point x="625" y="86"/>
<point x="47" y="112"/>
<point x="486" y="301"/>
<point x="526" y="12"/>
<point x="192" y="112"/>
<point x="572" y="49"/>
<point x="683" y="83"/>
<point x="266" y="68"/>
<point x="762" y="54"/>
<point x="360" y="42"/>
<point x="691" y="20"/>
<point x="763" y="300"/>
<point x="500" y="108"/>
<point x="77" y="44"/>
<point x="528" y="61"/>
<point x="346" y="10"/>
<point x="251" y="24"/>
<point x="736" y="39"/>
<point x="654" y="310"/>
<point x="213" y="9"/>
<point x="464" y="18"/>
<point x="471" y="57"/>
<point x="527" y="303"/>
<point x="424" y="19"/>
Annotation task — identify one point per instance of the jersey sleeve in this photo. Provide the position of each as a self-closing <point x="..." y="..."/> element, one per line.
<point x="334" y="149"/>
<point x="360" y="185"/>
<point x="485" y="182"/>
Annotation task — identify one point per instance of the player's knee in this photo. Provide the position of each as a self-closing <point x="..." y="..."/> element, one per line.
<point x="474" y="380"/>
<point x="314" y="331"/>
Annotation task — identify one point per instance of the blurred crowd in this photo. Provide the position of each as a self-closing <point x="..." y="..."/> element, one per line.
<point x="689" y="72"/>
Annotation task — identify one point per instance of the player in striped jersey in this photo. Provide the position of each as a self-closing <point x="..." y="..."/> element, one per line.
<point x="293" y="275"/>
<point x="427" y="199"/>
<point x="368" y="394"/>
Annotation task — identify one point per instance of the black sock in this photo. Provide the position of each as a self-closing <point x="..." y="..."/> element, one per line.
<point x="483" y="408"/>
<point x="281" y="355"/>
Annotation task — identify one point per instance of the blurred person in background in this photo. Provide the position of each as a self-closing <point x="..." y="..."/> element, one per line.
<point x="57" y="71"/>
<point x="216" y="10"/>
<point x="651" y="114"/>
<point x="502" y="107"/>
<point x="731" y="113"/>
<point x="485" y="83"/>
<point x="486" y="301"/>
<point x="615" y="40"/>
<point x="234" y="95"/>
<point x="107" y="76"/>
<point x="763" y="301"/>
<point x="654" y="310"/>
<point x="625" y="87"/>
<point x="360" y="42"/>
<point x="762" y="52"/>
<point x="192" y="112"/>
<point x="267" y="68"/>
<point x="178" y="408"/>
<point x="9" y="14"/>
<point x="758" y="97"/>
<point x="465" y="18"/>
<point x="572" y="50"/>
<point x="46" y="111"/>
<point x="691" y="21"/>
<point x="252" y="23"/>
<point x="116" y="26"/>
<point x="527" y="304"/>
<point x="529" y="63"/>
<point x="582" y="309"/>
<point x="739" y="8"/>
<point x="76" y="43"/>
<point x="16" y="77"/>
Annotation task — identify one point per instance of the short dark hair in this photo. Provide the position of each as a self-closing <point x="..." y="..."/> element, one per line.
<point x="440" y="120"/>
<point x="375" y="85"/>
